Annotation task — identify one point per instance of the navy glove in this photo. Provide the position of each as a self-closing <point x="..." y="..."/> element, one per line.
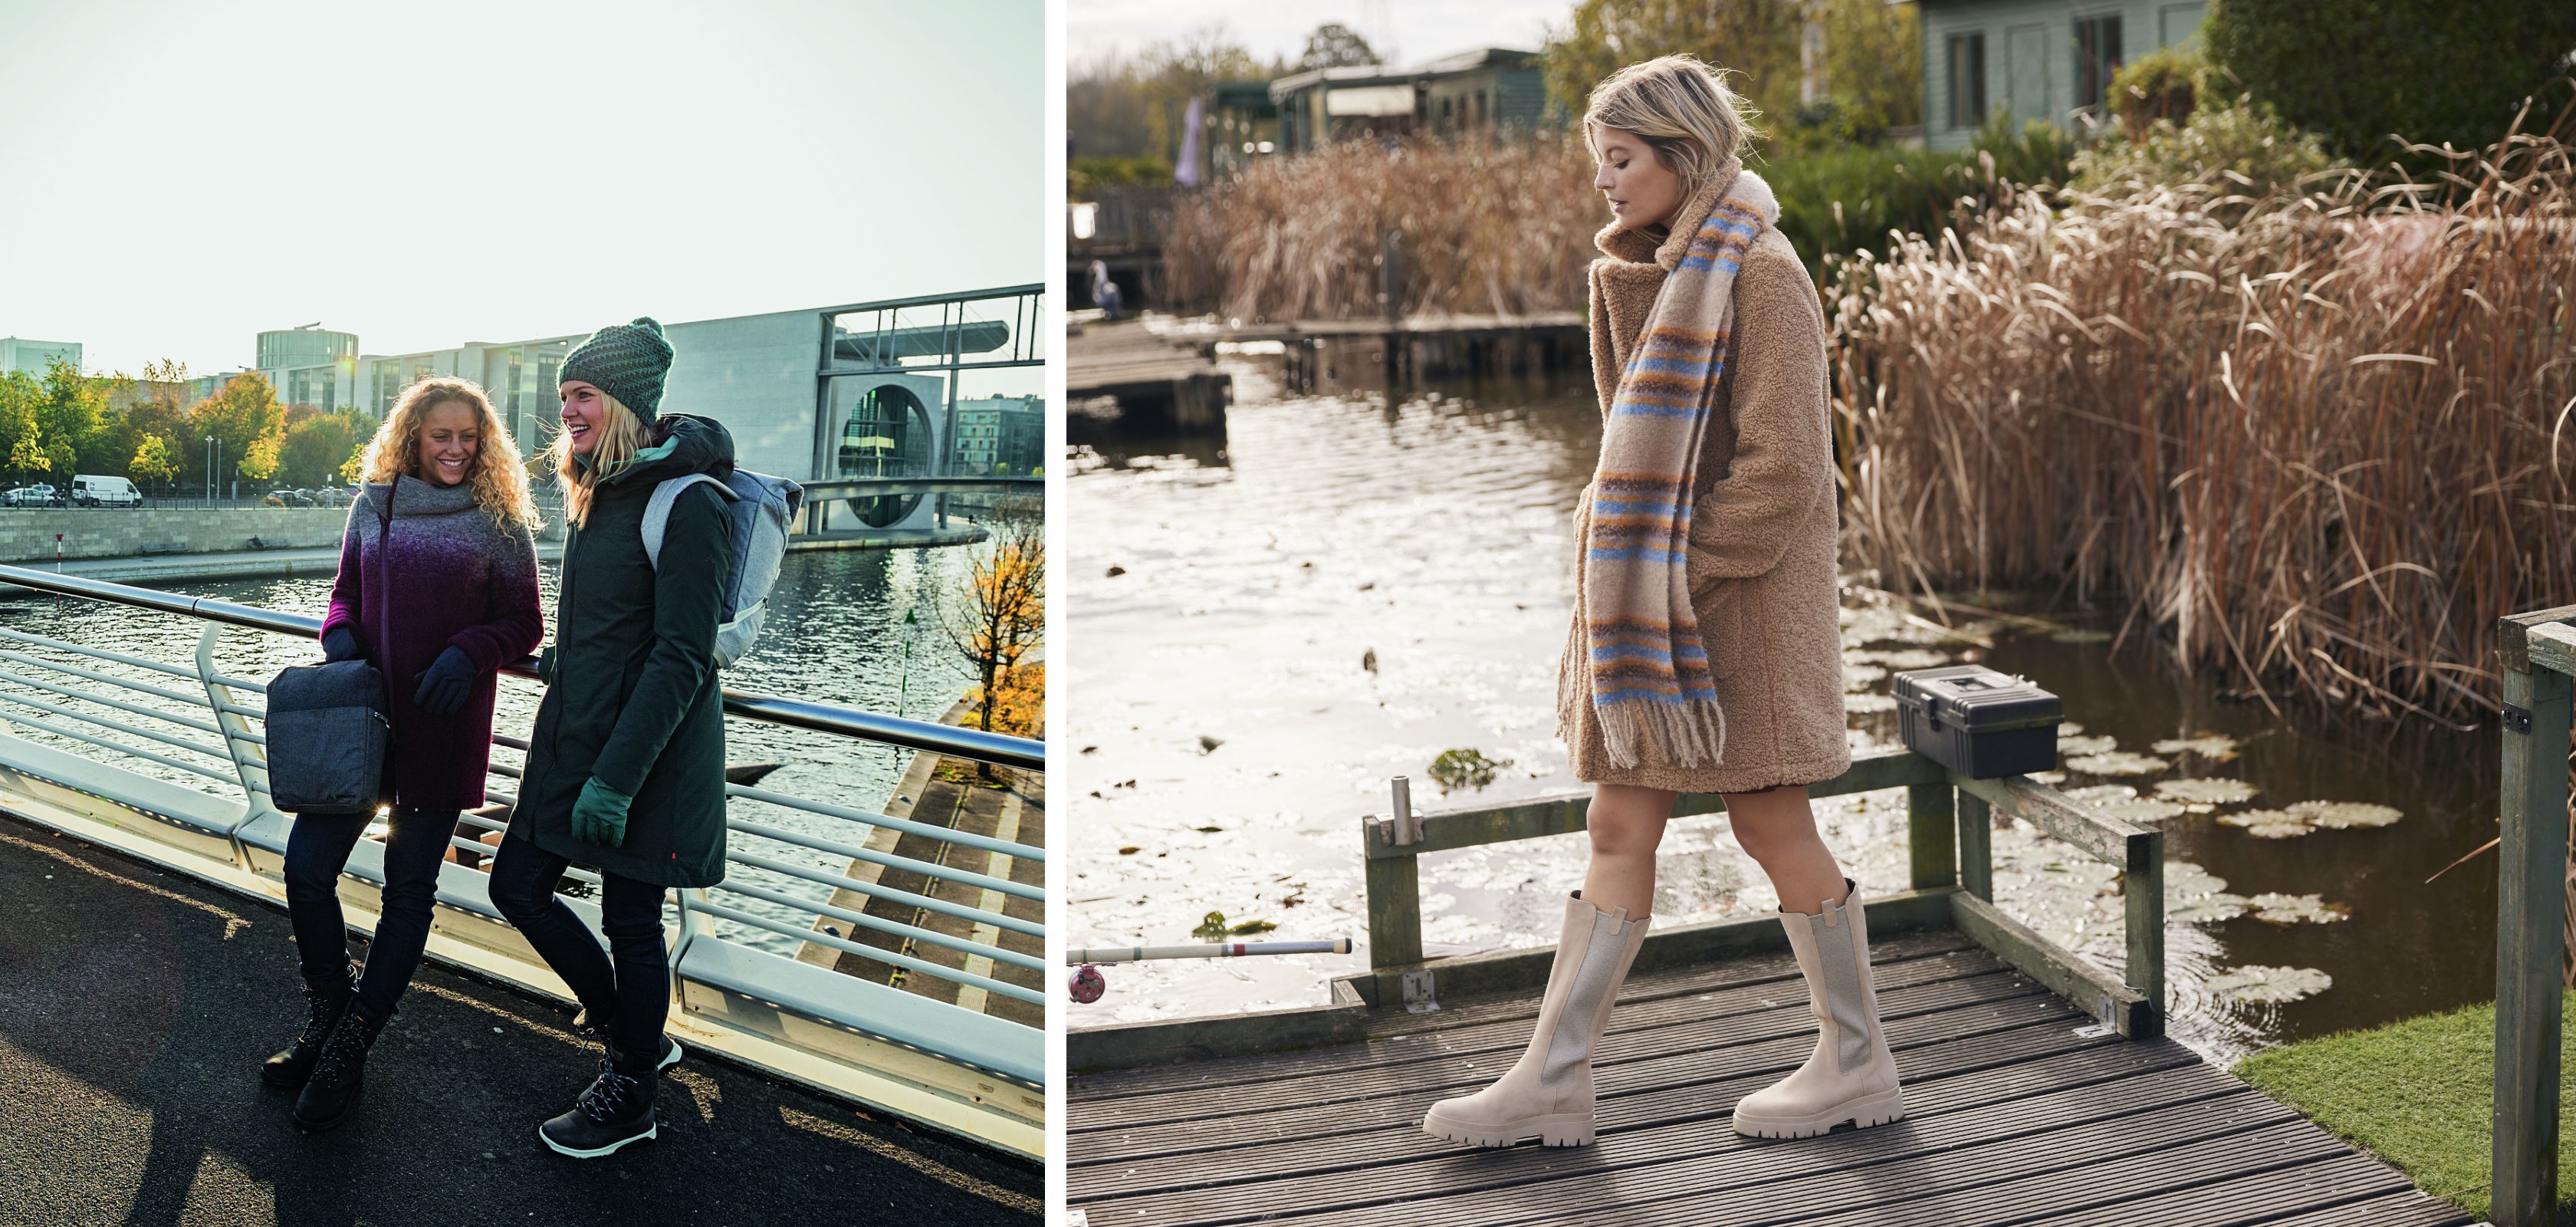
<point x="339" y="644"/>
<point x="441" y="689"/>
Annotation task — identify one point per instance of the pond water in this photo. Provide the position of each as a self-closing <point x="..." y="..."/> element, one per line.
<point x="834" y="634"/>
<point x="1337" y="587"/>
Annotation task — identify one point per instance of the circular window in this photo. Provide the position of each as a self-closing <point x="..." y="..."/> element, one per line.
<point x="887" y="435"/>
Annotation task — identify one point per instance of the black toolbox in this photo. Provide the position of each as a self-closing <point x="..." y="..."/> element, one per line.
<point x="1977" y="722"/>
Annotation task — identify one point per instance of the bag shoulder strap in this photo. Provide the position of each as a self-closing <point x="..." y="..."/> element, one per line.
<point x="657" y="510"/>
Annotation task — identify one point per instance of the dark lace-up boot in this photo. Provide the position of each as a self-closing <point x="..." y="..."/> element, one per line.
<point x="341" y="1073"/>
<point x="290" y="1066"/>
<point x="616" y="1109"/>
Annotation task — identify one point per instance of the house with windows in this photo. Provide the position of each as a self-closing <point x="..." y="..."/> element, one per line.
<point x="2036" y="59"/>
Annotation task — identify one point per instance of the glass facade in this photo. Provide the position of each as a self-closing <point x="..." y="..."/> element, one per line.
<point x="886" y="435"/>
<point x="295" y="347"/>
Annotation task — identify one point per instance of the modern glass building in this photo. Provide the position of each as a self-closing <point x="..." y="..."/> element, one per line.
<point x="1001" y="435"/>
<point x="310" y="365"/>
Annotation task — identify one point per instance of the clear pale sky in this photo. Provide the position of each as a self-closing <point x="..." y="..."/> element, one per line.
<point x="1416" y="30"/>
<point x="177" y="176"/>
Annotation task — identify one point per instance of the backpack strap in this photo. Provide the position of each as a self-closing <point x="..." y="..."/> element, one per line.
<point x="657" y="510"/>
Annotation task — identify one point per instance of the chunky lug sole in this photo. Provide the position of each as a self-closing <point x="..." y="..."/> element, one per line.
<point x="651" y="1132"/>
<point x="1558" y="1129"/>
<point x="1859" y="1113"/>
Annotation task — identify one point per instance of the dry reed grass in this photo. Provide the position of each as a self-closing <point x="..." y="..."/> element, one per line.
<point x="1499" y="229"/>
<point x="2321" y="444"/>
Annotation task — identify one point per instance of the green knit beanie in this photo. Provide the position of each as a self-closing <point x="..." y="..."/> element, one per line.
<point x="627" y="361"/>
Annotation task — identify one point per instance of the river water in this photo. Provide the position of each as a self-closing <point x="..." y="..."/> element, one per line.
<point x="1274" y="619"/>
<point x="834" y="634"/>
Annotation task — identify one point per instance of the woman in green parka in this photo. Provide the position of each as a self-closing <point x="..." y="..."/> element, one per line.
<point x="625" y="769"/>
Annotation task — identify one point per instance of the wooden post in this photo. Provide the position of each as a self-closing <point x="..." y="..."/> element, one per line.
<point x="2530" y="910"/>
<point x="1976" y="846"/>
<point x="1394" y="898"/>
<point x="1931" y="834"/>
<point x="2143" y="888"/>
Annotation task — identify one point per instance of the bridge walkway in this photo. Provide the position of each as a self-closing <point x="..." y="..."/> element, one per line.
<point x="136" y="1003"/>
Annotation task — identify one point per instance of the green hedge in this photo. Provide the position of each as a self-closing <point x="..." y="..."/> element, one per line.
<point x="2355" y="71"/>
<point x="1914" y="190"/>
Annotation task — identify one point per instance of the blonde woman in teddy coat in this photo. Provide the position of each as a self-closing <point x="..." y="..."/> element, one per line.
<point x="1704" y="654"/>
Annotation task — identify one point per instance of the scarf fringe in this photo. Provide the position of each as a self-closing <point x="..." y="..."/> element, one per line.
<point x="1688" y="735"/>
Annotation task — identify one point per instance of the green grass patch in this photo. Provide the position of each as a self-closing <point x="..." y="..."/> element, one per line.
<point x="2418" y="1093"/>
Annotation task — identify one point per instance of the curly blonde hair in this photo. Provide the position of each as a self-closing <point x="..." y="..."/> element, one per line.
<point x="499" y="476"/>
<point x="621" y="436"/>
<point x="1680" y="106"/>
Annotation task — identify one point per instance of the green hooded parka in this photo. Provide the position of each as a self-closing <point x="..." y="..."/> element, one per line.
<point x="632" y="691"/>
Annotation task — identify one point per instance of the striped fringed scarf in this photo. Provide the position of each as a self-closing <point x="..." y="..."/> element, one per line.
<point x="1650" y="682"/>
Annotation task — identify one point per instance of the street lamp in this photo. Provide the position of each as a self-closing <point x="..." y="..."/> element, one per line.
<point x="210" y="472"/>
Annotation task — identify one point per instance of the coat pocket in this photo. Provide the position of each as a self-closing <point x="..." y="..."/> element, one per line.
<point x="1719" y="605"/>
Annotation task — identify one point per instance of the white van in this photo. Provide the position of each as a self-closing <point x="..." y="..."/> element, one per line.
<point x="104" y="492"/>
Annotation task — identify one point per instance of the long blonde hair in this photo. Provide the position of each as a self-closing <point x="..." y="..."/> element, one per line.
<point x="1680" y="106"/>
<point x="623" y="434"/>
<point x="499" y="477"/>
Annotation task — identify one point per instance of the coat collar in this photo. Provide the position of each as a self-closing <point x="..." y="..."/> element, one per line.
<point x="1635" y="246"/>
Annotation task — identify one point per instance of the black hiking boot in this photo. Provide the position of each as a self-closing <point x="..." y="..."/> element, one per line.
<point x="597" y="1028"/>
<point x="340" y="1074"/>
<point x="615" y="1110"/>
<point x="290" y="1066"/>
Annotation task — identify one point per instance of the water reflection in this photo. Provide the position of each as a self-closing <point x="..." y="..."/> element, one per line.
<point x="1360" y="583"/>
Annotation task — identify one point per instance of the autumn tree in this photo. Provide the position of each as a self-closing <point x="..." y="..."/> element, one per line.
<point x="1756" y="41"/>
<point x="153" y="460"/>
<point x="997" y="612"/>
<point x="1334" y="45"/>
<point x="246" y="422"/>
<point x="317" y="445"/>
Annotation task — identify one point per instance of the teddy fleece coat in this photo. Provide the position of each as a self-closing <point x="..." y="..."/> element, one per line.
<point x="632" y="692"/>
<point x="1764" y="521"/>
<point x="446" y="576"/>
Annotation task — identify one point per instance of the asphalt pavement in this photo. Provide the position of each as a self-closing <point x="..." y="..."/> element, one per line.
<point x="136" y="1005"/>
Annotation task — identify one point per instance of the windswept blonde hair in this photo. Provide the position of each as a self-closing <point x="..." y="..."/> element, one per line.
<point x="1680" y="106"/>
<point x="621" y="436"/>
<point x="498" y="477"/>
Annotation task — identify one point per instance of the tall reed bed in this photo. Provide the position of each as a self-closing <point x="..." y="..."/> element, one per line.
<point x="1501" y="229"/>
<point x="2321" y="445"/>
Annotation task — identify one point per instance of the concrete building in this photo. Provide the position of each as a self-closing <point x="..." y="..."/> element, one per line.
<point x="36" y="357"/>
<point x="1001" y="435"/>
<point x="311" y="365"/>
<point x="2036" y="59"/>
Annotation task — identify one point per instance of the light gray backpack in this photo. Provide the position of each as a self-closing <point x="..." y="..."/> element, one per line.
<point x="760" y="508"/>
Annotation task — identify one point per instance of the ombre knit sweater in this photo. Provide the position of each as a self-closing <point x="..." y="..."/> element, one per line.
<point x="445" y="575"/>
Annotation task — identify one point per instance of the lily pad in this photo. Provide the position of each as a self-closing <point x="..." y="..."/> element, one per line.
<point x="2269" y="984"/>
<point x="2075" y="634"/>
<point x="1861" y="677"/>
<point x="1901" y="658"/>
<point x="2117" y="762"/>
<point x="2340" y="815"/>
<point x="2085" y="745"/>
<point x="2280" y="909"/>
<point x="1456" y="769"/>
<point x="2206" y="909"/>
<point x="2267" y="823"/>
<point x="2204" y="795"/>
<point x="2094" y="794"/>
<point x="2140" y="809"/>
<point x="1868" y="704"/>
<point x="2210" y="746"/>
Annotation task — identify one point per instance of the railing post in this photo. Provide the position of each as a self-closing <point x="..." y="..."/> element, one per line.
<point x="2143" y="889"/>
<point x="1976" y="846"/>
<point x="2531" y="863"/>
<point x="247" y="756"/>
<point x="1931" y="834"/>
<point x="1394" y="884"/>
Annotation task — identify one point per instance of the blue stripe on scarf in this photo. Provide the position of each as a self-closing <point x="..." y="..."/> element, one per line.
<point x="1632" y="553"/>
<point x="1621" y="507"/>
<point x="1630" y="694"/>
<point x="1615" y="651"/>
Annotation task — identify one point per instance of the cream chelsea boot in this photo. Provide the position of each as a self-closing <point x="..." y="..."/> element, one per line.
<point x="1851" y="1076"/>
<point x="1547" y="1094"/>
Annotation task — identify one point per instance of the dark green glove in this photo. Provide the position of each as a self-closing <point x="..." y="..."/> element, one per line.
<point x="599" y="815"/>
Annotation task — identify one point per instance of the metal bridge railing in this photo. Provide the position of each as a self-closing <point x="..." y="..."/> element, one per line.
<point x="2538" y="651"/>
<point x="934" y="1061"/>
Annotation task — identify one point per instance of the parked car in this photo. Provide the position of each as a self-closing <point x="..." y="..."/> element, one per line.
<point x="88" y="491"/>
<point x="37" y="495"/>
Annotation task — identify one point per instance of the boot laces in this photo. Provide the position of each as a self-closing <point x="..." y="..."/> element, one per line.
<point x="608" y="1095"/>
<point x="346" y="1041"/>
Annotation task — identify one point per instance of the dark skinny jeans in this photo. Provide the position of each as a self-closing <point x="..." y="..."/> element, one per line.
<point x="630" y="986"/>
<point x="317" y="849"/>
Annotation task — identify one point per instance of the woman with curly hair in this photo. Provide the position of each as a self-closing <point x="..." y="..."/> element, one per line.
<point x="438" y="587"/>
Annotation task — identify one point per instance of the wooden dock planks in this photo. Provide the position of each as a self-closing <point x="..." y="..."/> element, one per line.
<point x="2020" y="1111"/>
